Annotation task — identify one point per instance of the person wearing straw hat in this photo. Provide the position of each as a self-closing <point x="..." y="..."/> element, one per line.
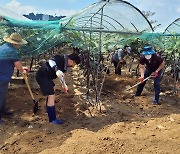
<point x="8" y="60"/>
<point x="150" y="63"/>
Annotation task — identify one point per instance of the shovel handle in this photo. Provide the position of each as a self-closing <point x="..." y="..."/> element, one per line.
<point x="139" y="83"/>
<point x="28" y="86"/>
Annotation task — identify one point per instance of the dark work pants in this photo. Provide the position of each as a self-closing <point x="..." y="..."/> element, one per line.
<point x="117" y="69"/>
<point x="3" y="92"/>
<point x="156" y="84"/>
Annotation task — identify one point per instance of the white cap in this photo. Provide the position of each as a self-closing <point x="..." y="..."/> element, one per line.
<point x="128" y="49"/>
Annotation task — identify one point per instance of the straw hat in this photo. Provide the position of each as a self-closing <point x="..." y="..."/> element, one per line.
<point x="15" y="38"/>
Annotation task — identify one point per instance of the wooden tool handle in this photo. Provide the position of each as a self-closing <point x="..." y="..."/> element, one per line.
<point x="28" y="86"/>
<point x="139" y="83"/>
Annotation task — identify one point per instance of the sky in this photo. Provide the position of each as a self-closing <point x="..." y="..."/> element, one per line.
<point x="166" y="11"/>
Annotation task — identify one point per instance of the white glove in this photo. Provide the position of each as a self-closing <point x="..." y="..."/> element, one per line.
<point x="60" y="74"/>
<point x="64" y="85"/>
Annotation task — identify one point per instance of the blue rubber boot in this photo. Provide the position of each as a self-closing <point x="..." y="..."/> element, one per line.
<point x="155" y="102"/>
<point x="57" y="122"/>
<point x="51" y="110"/>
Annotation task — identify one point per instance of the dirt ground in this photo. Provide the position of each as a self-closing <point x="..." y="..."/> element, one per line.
<point x="125" y="125"/>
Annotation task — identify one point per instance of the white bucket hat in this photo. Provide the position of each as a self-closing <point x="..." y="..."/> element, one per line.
<point x="15" y="38"/>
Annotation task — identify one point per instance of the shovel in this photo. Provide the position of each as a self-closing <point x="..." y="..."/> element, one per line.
<point x="35" y="107"/>
<point x="139" y="83"/>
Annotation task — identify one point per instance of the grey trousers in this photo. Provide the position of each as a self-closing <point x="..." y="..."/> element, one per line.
<point x="3" y="92"/>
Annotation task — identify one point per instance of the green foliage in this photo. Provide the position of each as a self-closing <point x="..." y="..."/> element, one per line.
<point x="45" y="35"/>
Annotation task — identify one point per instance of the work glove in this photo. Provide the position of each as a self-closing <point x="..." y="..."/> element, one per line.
<point x="141" y="79"/>
<point x="64" y="88"/>
<point x="60" y="74"/>
<point x="155" y="74"/>
<point x="25" y="70"/>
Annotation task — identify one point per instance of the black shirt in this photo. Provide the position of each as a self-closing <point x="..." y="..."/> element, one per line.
<point x="153" y="63"/>
<point x="61" y="62"/>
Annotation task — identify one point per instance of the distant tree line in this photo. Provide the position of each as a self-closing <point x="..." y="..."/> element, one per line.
<point x="40" y="16"/>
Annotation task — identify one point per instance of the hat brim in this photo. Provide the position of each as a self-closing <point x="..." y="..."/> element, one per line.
<point x="7" y="39"/>
<point x="149" y="52"/>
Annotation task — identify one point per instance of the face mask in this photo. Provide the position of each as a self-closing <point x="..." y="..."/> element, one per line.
<point x="148" y="56"/>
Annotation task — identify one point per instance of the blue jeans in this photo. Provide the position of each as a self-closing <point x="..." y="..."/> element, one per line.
<point x="156" y="84"/>
<point x="3" y="92"/>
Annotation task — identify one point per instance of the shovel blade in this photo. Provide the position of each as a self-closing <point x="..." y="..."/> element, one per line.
<point x="35" y="107"/>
